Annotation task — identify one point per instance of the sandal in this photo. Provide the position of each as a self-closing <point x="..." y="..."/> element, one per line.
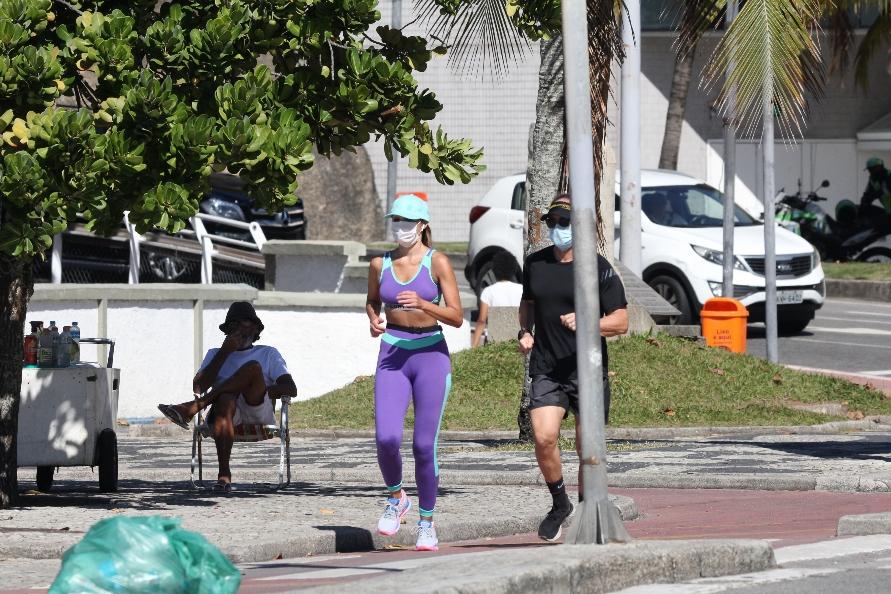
<point x="222" y="487"/>
<point x="174" y="415"/>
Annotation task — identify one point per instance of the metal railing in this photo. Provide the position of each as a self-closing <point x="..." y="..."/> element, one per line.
<point x="198" y="232"/>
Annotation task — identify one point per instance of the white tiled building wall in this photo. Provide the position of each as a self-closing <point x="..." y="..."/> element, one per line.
<point x="496" y="114"/>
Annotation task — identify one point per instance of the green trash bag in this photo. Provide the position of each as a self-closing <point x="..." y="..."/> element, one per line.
<point x="144" y="555"/>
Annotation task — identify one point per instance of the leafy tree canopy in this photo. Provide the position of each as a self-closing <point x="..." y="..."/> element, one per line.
<point x="108" y="106"/>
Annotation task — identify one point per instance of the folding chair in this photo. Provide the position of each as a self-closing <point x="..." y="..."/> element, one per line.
<point x="245" y="433"/>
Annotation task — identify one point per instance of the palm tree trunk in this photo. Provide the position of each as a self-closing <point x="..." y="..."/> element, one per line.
<point x="16" y="287"/>
<point x="677" y="104"/>
<point x="544" y="172"/>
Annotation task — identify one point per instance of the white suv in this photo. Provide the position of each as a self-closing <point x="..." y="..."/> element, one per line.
<point x="681" y="239"/>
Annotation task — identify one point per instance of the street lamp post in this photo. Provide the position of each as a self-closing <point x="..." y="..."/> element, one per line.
<point x="597" y="519"/>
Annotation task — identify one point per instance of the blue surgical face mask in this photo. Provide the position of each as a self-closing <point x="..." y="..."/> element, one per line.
<point x="562" y="237"/>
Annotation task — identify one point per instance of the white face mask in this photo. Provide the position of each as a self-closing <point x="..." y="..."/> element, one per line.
<point x="406" y="233"/>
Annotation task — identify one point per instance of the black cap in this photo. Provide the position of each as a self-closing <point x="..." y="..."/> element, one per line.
<point x="241" y="311"/>
<point x="559" y="208"/>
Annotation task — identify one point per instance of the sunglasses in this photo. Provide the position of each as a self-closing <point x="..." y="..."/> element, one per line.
<point x="552" y="222"/>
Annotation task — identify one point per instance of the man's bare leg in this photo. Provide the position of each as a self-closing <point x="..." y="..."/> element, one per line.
<point x="224" y="433"/>
<point x="546" y="430"/>
<point x="248" y="381"/>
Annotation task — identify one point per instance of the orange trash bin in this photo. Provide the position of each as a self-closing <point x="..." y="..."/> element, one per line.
<point x="724" y="324"/>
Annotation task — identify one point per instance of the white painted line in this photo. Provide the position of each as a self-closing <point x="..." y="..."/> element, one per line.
<point x="857" y="320"/>
<point x="853" y="344"/>
<point x="729" y="582"/>
<point x="879" y="372"/>
<point x="839" y="547"/>
<point x="861" y="331"/>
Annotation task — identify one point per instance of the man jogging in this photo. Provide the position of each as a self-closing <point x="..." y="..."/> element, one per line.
<point x="547" y="329"/>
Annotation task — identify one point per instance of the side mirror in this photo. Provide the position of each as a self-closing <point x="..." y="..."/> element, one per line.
<point x="825" y="183"/>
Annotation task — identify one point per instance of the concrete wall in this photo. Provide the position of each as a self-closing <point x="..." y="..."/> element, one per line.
<point x="162" y="331"/>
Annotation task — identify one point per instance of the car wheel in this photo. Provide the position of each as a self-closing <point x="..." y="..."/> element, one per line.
<point x="671" y="289"/>
<point x="877" y="254"/>
<point x="485" y="276"/>
<point x="791" y="324"/>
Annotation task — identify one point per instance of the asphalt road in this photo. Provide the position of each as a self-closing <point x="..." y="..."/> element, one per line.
<point x="846" y="335"/>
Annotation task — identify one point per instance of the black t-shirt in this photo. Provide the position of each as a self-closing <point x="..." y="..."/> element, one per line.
<point x="549" y="284"/>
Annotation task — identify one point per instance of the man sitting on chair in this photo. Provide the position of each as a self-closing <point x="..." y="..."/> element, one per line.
<point x="241" y="380"/>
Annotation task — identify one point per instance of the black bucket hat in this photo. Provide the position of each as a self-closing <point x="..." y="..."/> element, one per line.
<point x="241" y="311"/>
<point x="559" y="206"/>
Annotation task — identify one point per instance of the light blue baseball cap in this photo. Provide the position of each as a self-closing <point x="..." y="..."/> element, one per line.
<point x="410" y="206"/>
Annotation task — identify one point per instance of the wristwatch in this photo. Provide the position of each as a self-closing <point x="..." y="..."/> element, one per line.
<point x="523" y="332"/>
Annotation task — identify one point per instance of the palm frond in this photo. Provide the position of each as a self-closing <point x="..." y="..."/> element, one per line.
<point x="841" y="34"/>
<point x="480" y="35"/>
<point x="604" y="46"/>
<point x="773" y="52"/>
<point x="692" y="19"/>
<point x="876" y="36"/>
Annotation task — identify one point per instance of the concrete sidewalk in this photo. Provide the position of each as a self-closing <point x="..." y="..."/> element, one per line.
<point x="334" y="504"/>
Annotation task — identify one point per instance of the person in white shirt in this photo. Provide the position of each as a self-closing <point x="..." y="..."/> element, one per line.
<point x="241" y="380"/>
<point x="503" y="293"/>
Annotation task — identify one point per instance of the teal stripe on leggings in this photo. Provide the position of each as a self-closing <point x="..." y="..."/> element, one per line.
<point x="445" y="398"/>
<point x="412" y="344"/>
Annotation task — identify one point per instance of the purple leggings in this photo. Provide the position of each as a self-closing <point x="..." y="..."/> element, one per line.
<point x="411" y="368"/>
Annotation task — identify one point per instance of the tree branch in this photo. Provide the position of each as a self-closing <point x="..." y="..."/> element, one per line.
<point x="69" y="6"/>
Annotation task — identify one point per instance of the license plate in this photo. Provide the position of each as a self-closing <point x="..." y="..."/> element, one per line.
<point x="789" y="297"/>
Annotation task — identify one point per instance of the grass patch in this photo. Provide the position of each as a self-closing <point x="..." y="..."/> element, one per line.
<point x="877" y="271"/>
<point x="657" y="382"/>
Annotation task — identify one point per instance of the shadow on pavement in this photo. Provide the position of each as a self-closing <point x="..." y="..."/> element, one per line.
<point x="852" y="450"/>
<point x="350" y="539"/>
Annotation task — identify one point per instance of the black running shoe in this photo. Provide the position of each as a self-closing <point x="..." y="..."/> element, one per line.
<point x="551" y="527"/>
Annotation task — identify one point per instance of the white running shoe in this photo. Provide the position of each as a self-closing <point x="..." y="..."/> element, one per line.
<point x="396" y="509"/>
<point x="427" y="540"/>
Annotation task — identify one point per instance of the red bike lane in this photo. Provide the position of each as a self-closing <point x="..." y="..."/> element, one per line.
<point x="782" y="517"/>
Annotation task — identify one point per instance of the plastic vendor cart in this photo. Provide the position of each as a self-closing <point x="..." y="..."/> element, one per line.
<point x="67" y="418"/>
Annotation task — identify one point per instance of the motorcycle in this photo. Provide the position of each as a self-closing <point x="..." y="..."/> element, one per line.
<point x="842" y="238"/>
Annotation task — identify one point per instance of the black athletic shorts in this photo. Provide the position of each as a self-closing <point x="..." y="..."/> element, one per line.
<point x="562" y="391"/>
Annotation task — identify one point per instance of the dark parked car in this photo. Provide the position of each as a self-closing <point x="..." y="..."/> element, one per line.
<point x="87" y="258"/>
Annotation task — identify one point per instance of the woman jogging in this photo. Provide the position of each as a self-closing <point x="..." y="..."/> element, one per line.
<point x="413" y="365"/>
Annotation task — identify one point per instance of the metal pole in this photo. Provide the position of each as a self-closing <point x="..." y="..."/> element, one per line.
<point x="56" y="260"/>
<point x="393" y="166"/>
<point x="598" y="520"/>
<point x="770" y="260"/>
<point x="729" y="171"/>
<point x="629" y="247"/>
<point x="134" y="238"/>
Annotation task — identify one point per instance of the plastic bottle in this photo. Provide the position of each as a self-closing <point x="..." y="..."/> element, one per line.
<point x="74" y="345"/>
<point x="63" y="355"/>
<point x="30" y="347"/>
<point x="45" y="348"/>
<point x="56" y="340"/>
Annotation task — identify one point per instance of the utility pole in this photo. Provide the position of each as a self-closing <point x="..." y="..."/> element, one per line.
<point x="729" y="168"/>
<point x="629" y="247"/>
<point x="770" y="259"/>
<point x="393" y="166"/>
<point x="597" y="520"/>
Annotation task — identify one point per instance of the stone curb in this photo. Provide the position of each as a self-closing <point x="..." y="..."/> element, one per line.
<point x="632" y="433"/>
<point x="859" y="289"/>
<point x="840" y="483"/>
<point x="327" y="539"/>
<point x="864" y="524"/>
<point x="576" y="569"/>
